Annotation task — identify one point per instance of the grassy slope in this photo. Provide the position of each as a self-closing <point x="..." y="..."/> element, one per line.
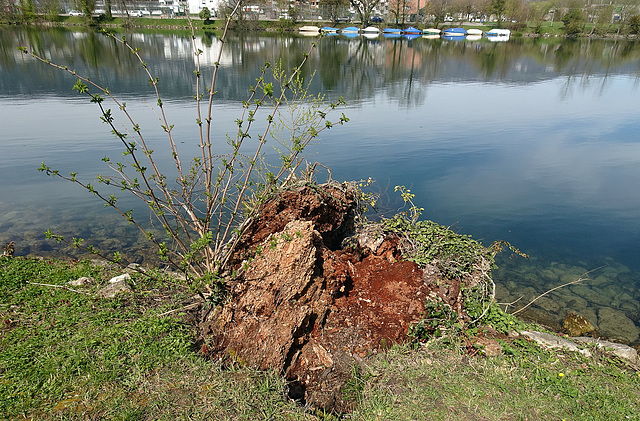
<point x="67" y="355"/>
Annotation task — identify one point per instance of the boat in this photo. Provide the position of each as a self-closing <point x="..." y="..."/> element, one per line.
<point x="412" y="30"/>
<point x="371" y="30"/>
<point x="349" y="30"/>
<point x="431" y="31"/>
<point x="498" y="33"/>
<point x="329" y="30"/>
<point x="474" y="31"/>
<point x="454" y="32"/>
<point x="309" y="29"/>
<point x="391" y="31"/>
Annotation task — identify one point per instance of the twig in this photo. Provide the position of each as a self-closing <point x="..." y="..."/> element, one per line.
<point x="507" y="305"/>
<point x="189" y="307"/>
<point x="59" y="286"/>
<point x="576" y="281"/>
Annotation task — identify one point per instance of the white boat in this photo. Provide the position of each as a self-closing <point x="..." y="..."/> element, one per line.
<point x="474" y="31"/>
<point x="431" y="31"/>
<point x="309" y="29"/>
<point x="498" y="33"/>
<point x="371" y="30"/>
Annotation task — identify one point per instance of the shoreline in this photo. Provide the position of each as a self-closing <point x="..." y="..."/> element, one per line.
<point x="286" y="26"/>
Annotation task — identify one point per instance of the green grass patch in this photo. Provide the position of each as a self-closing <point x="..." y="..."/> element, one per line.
<point x="69" y="355"/>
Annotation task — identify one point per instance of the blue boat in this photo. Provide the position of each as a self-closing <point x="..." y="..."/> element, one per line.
<point x="349" y="30"/>
<point x="329" y="30"/>
<point x="391" y="31"/>
<point x="412" y="30"/>
<point x="454" y="32"/>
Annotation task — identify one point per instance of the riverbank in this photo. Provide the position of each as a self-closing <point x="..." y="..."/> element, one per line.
<point x="65" y="352"/>
<point x="518" y="29"/>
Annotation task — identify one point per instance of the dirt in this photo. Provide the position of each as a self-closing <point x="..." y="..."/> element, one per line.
<point x="311" y="309"/>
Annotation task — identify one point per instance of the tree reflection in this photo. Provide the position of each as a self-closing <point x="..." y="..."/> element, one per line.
<point x="357" y="69"/>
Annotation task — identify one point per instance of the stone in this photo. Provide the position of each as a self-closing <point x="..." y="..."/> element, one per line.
<point x="616" y="325"/>
<point x="619" y="350"/>
<point x="84" y="280"/>
<point x="489" y="347"/>
<point x="548" y="305"/>
<point x="551" y="341"/>
<point x="120" y="278"/>
<point x="114" y="288"/>
<point x="577" y="325"/>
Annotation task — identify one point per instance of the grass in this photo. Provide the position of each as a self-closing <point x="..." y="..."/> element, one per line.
<point x="68" y="355"/>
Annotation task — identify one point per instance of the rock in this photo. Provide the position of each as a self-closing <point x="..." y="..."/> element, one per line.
<point x="548" y="305"/>
<point x="554" y="342"/>
<point x="120" y="278"/>
<point x="620" y="350"/>
<point x="84" y="280"/>
<point x="489" y="347"/>
<point x="113" y="289"/>
<point x="616" y="325"/>
<point x="577" y="325"/>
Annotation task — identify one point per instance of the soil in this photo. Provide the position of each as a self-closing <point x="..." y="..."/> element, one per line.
<point x="311" y="309"/>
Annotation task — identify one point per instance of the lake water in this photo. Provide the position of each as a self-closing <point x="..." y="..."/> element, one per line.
<point x="532" y="142"/>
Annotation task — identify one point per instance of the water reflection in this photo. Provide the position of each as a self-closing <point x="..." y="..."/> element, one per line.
<point x="354" y="68"/>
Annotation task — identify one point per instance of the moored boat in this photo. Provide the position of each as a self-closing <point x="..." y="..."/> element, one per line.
<point x="496" y="32"/>
<point x="329" y="30"/>
<point x="412" y="30"/>
<point x="391" y="31"/>
<point x="474" y="31"/>
<point x="454" y="32"/>
<point x="431" y="31"/>
<point x="350" y="30"/>
<point x="371" y="30"/>
<point x="309" y="29"/>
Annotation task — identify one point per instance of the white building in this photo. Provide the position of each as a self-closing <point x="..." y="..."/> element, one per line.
<point x="195" y="6"/>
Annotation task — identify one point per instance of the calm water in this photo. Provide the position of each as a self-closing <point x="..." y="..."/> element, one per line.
<point x="533" y="142"/>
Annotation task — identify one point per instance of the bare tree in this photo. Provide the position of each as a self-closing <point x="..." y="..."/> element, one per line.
<point x="365" y="9"/>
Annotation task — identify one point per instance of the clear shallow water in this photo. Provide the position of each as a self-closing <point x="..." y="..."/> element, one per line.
<point x="531" y="142"/>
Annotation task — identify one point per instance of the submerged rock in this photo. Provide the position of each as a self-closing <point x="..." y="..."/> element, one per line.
<point x="616" y="325"/>
<point x="577" y="325"/>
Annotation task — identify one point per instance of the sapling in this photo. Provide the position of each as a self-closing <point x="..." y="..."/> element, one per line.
<point x="216" y="195"/>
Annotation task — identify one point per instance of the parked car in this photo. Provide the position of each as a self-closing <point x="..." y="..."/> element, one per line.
<point x="136" y="13"/>
<point x="344" y="19"/>
<point x="377" y="19"/>
<point x="75" y="13"/>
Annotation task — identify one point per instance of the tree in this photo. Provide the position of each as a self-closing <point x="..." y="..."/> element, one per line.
<point x="332" y="9"/>
<point x="87" y="7"/>
<point x="498" y="8"/>
<point x="365" y="9"/>
<point x="573" y="20"/>
<point x="634" y="24"/>
<point x="205" y="14"/>
<point x="439" y="9"/>
<point x="398" y="9"/>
